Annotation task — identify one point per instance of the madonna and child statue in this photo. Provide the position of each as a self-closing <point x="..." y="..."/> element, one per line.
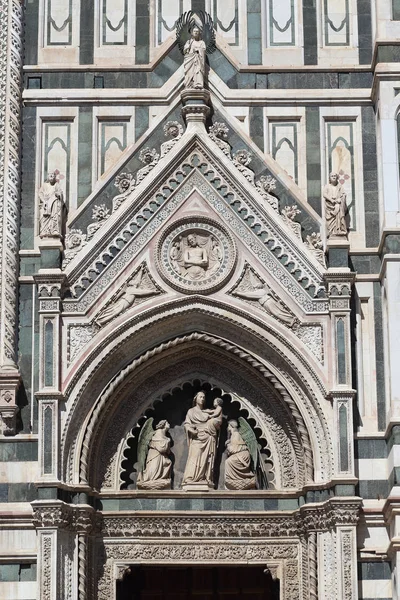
<point x="202" y="448"/>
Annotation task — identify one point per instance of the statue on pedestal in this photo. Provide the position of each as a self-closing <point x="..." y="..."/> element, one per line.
<point x="200" y="30"/>
<point x="335" y="207"/>
<point x="52" y="209"/>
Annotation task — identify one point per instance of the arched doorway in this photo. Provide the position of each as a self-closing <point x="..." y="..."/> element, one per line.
<point x="197" y="582"/>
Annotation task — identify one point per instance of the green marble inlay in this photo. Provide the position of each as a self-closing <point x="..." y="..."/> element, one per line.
<point x="343" y="438"/>
<point x="48" y="354"/>
<point x="48" y="440"/>
<point x="396" y="10"/>
<point x="254" y="48"/>
<point x="341" y="351"/>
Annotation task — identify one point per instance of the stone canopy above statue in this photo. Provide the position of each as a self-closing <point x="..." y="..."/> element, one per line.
<point x="197" y="439"/>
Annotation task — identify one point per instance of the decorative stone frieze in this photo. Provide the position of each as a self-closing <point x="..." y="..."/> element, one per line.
<point x="317" y="517"/>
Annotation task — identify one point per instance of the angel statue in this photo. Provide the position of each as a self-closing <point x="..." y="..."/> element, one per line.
<point x="252" y="288"/>
<point x="196" y="38"/>
<point x="243" y="457"/>
<point x="154" y="464"/>
<point x="138" y="287"/>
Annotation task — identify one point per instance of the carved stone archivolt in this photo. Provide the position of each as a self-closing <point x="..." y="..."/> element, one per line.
<point x="308" y="396"/>
<point x="196" y="256"/>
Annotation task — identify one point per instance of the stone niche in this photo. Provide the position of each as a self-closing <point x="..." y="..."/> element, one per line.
<point x="173" y="407"/>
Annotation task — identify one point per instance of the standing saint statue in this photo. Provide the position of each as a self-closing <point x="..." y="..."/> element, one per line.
<point x="335" y="207"/>
<point x="52" y="209"/>
<point x="202" y="428"/>
<point x="154" y="464"/>
<point x="196" y="38"/>
<point x="194" y="61"/>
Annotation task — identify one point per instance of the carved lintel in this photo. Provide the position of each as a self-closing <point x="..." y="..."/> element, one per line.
<point x="9" y="384"/>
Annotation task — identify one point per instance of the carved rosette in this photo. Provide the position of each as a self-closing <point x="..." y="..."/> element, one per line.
<point x="196" y="256"/>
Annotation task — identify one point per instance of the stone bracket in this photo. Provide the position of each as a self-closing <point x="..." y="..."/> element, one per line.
<point x="9" y="384"/>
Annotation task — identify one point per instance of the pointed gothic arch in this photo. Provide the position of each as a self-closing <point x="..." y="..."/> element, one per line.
<point x="270" y="361"/>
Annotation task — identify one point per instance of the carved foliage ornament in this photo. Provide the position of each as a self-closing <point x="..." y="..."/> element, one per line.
<point x="196" y="256"/>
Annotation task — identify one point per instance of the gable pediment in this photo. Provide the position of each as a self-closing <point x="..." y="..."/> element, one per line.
<point x="167" y="192"/>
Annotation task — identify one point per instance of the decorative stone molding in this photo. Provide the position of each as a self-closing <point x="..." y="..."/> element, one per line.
<point x="208" y="238"/>
<point x="100" y="214"/>
<point x="173" y="130"/>
<point x="75" y="240"/>
<point x="9" y="384"/>
<point x="288" y="215"/>
<point x="149" y="157"/>
<point x="219" y="134"/>
<point x="241" y="160"/>
<point x="265" y="185"/>
<point x="125" y="182"/>
<point x="56" y="514"/>
<point x="316" y="246"/>
<point x="286" y="556"/>
<point x="195" y="108"/>
<point x="310" y="518"/>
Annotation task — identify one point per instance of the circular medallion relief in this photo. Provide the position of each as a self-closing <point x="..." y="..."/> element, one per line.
<point x="196" y="256"/>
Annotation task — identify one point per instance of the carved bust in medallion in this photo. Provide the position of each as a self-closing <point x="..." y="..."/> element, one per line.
<point x="196" y="256"/>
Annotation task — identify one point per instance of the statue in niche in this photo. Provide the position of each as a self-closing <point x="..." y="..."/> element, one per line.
<point x="195" y="40"/>
<point x="154" y="464"/>
<point x="138" y="287"/>
<point x="335" y="207"/>
<point x="52" y="209"/>
<point x="202" y="429"/>
<point x="196" y="257"/>
<point x="252" y="288"/>
<point x="242" y="460"/>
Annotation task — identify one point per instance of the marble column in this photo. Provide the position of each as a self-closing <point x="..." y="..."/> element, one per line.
<point x="11" y="56"/>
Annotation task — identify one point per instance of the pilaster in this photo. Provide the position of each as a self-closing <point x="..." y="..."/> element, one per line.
<point x="339" y="282"/>
<point x="50" y="287"/>
<point x="63" y="536"/>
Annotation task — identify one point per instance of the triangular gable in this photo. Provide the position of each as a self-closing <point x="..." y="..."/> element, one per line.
<point x="140" y="218"/>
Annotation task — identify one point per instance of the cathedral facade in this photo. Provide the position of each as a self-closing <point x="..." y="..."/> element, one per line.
<point x="199" y="299"/>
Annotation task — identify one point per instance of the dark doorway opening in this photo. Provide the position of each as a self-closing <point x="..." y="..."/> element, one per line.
<point x="197" y="583"/>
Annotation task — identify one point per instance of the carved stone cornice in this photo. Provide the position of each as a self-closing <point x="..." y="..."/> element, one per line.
<point x="316" y="517"/>
<point x="56" y="514"/>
